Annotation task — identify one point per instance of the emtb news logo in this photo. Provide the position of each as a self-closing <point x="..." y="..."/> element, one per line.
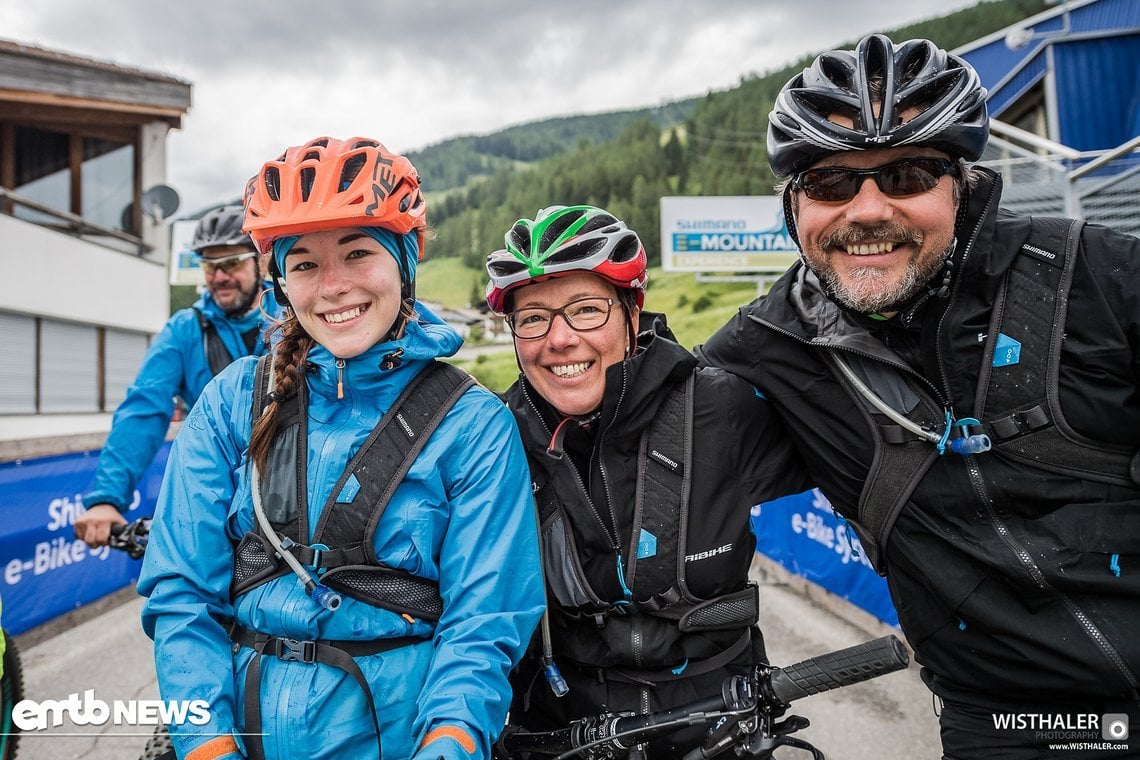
<point x="86" y="710"/>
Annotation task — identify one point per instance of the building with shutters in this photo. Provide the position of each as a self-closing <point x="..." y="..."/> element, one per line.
<point x="83" y="239"/>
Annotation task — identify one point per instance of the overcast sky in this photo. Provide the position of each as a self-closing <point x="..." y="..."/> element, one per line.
<point x="273" y="73"/>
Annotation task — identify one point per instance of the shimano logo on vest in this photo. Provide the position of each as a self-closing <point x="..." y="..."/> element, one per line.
<point x="30" y="715"/>
<point x="660" y="458"/>
<point x="404" y="424"/>
<point x="710" y="553"/>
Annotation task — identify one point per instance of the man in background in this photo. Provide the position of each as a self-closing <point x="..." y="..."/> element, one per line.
<point x="197" y="343"/>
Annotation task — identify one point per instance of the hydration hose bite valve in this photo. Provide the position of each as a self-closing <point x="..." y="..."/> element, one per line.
<point x="970" y="444"/>
<point x="974" y="444"/>
<point x="324" y="596"/>
<point x="554" y="677"/>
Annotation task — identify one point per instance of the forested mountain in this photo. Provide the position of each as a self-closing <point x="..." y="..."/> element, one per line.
<point x="456" y="161"/>
<point x="626" y="161"/>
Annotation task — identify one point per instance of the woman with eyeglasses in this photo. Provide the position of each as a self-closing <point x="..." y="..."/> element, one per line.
<point x="344" y="559"/>
<point x="644" y="467"/>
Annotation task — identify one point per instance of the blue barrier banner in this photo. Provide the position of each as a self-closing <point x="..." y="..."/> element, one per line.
<point x="46" y="571"/>
<point x="803" y="534"/>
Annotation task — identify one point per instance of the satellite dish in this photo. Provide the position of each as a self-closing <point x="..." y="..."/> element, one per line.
<point x="159" y="202"/>
<point x="1018" y="37"/>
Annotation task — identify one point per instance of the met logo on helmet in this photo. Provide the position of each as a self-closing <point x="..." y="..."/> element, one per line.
<point x="382" y="182"/>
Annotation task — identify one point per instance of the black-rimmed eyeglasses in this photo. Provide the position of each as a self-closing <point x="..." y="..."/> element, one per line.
<point x="583" y="315"/>
<point x="909" y="176"/>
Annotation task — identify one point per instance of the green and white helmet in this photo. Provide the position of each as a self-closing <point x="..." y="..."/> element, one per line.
<point x="563" y="240"/>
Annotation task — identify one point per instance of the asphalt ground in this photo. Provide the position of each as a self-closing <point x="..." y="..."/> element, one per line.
<point x="887" y="718"/>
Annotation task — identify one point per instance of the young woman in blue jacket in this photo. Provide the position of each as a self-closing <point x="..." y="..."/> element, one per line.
<point x="311" y="623"/>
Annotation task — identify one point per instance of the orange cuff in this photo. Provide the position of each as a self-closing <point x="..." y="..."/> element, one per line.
<point x="219" y="747"/>
<point x="458" y="734"/>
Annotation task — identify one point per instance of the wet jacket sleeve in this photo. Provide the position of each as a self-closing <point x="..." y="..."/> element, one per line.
<point x="767" y="462"/>
<point x="139" y="426"/>
<point x="729" y="348"/>
<point x="491" y="584"/>
<point x="189" y="561"/>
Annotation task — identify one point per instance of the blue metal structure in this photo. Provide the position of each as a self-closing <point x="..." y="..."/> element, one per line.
<point x="1085" y="54"/>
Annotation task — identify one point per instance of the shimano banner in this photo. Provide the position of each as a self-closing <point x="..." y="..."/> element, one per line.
<point x="804" y="535"/>
<point x="46" y="571"/>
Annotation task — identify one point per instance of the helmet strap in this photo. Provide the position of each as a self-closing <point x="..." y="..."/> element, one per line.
<point x="279" y="291"/>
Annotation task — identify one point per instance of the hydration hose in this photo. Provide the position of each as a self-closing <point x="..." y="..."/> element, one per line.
<point x="550" y="670"/>
<point x="965" y="445"/>
<point x="318" y="592"/>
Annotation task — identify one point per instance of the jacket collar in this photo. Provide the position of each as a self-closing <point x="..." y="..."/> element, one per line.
<point x="373" y="372"/>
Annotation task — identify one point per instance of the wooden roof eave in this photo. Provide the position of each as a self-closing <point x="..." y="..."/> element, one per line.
<point x="25" y="104"/>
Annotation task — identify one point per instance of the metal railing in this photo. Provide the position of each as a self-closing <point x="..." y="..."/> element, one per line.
<point x="1043" y="177"/>
<point x="74" y="225"/>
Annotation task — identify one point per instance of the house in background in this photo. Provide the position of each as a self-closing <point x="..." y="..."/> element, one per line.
<point x="1064" y="93"/>
<point x="83" y="240"/>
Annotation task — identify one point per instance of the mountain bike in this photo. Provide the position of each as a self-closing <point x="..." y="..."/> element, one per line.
<point x="744" y="720"/>
<point x="132" y="538"/>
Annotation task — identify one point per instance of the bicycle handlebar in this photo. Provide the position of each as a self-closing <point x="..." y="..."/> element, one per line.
<point x="770" y="690"/>
<point x="131" y="537"/>
<point x="838" y="669"/>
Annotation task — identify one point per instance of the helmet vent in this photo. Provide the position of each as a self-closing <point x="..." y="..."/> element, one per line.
<point x="321" y="143"/>
<point x="555" y="230"/>
<point x="576" y="251"/>
<point x="837" y="73"/>
<point x="351" y="169"/>
<point x="365" y="144"/>
<point x="626" y="249"/>
<point x="308" y="175"/>
<point x="597" y="223"/>
<point x="519" y="237"/>
<point x="273" y="182"/>
<point x="505" y="267"/>
<point x="405" y="202"/>
<point x="312" y="155"/>
<point x="877" y="57"/>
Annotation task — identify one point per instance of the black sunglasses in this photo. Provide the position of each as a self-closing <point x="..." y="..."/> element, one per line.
<point x="909" y="176"/>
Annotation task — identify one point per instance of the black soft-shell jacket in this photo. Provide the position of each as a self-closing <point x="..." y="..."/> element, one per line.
<point x="1010" y="580"/>
<point x="740" y="457"/>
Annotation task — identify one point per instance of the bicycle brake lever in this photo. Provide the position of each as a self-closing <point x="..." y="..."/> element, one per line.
<point x="790" y="725"/>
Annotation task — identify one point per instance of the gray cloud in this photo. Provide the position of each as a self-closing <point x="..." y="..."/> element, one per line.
<point x="270" y="73"/>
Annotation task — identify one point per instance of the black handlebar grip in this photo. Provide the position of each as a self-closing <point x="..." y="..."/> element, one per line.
<point x="862" y="662"/>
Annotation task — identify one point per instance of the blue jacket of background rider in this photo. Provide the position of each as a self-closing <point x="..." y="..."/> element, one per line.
<point x="462" y="516"/>
<point x="174" y="365"/>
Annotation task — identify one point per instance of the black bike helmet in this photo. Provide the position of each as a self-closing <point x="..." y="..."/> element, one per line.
<point x="222" y="226"/>
<point x="943" y="89"/>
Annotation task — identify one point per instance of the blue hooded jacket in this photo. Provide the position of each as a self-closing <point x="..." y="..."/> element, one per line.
<point x="174" y="365"/>
<point x="463" y="516"/>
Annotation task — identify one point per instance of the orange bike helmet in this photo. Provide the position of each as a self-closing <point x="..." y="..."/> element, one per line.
<point x="332" y="184"/>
